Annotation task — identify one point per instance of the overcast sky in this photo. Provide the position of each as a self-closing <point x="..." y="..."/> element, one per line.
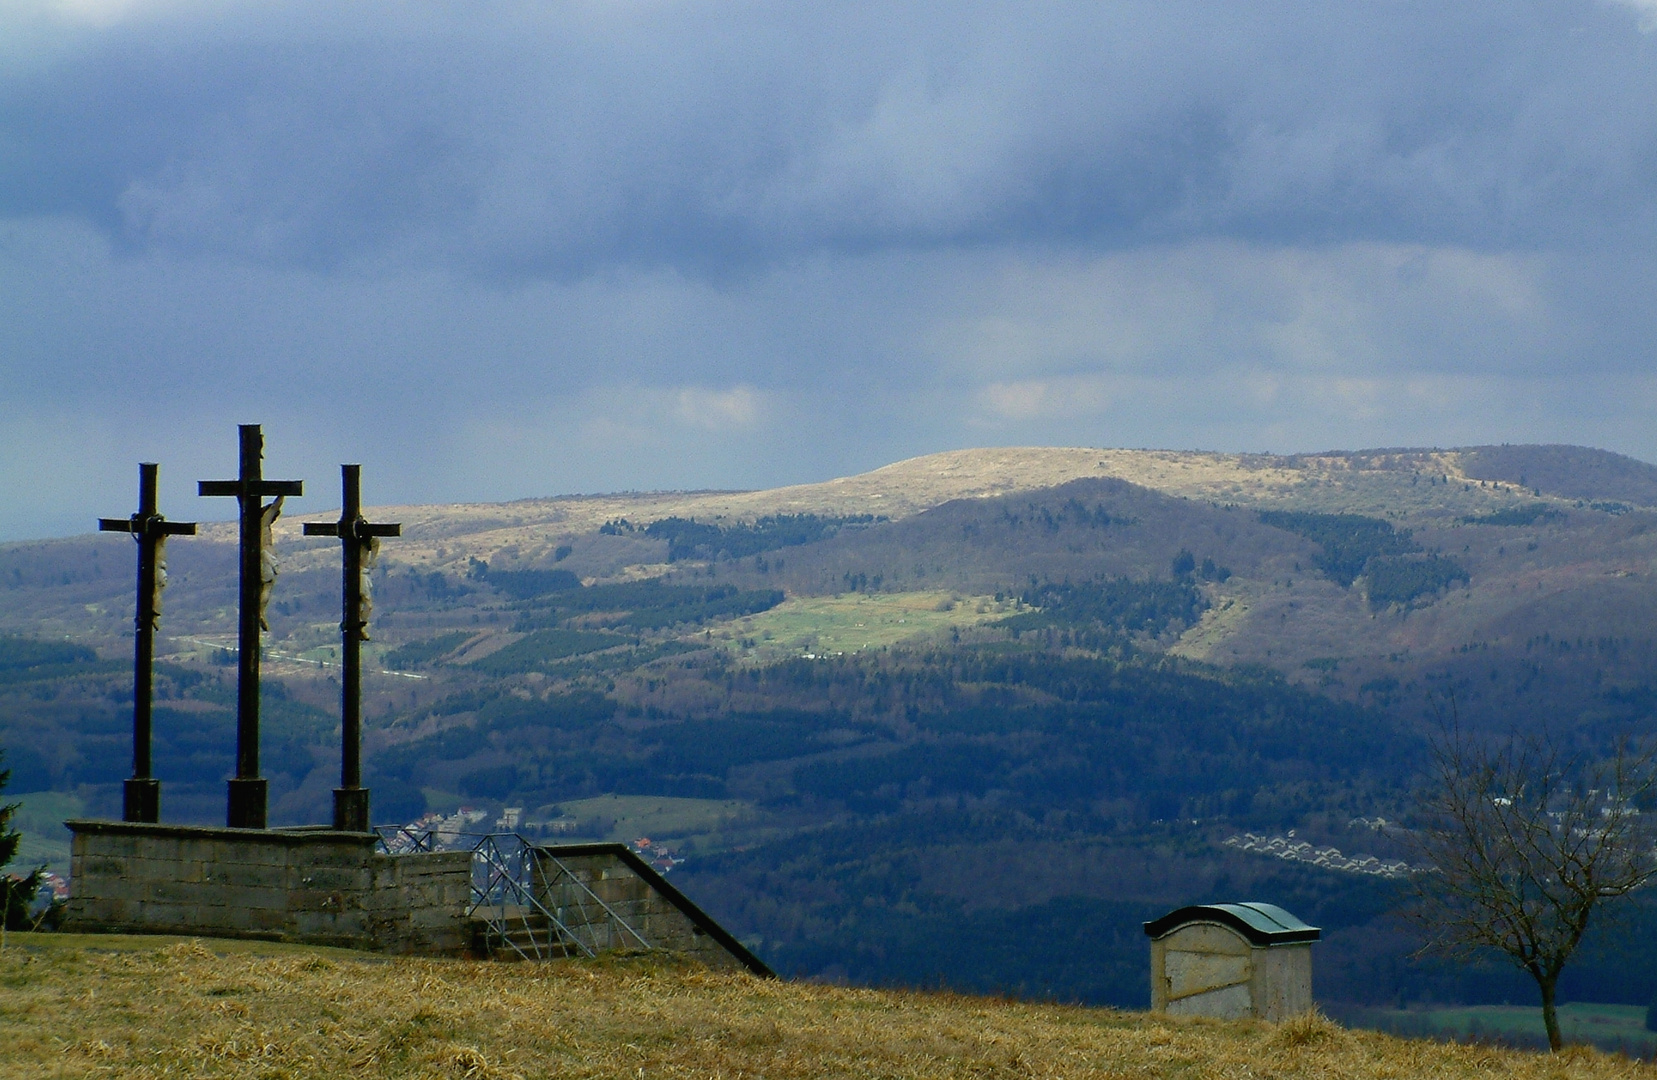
<point x="503" y="249"/>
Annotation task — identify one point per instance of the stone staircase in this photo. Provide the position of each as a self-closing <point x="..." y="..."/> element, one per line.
<point x="518" y="932"/>
<point x="547" y="902"/>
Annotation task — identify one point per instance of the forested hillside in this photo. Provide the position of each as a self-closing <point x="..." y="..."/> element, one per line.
<point x="1019" y="699"/>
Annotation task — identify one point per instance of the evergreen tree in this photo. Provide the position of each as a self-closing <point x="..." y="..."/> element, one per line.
<point x="9" y="837"/>
<point x="15" y="893"/>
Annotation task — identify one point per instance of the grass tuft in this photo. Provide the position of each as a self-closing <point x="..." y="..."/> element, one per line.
<point x="1310" y="1028"/>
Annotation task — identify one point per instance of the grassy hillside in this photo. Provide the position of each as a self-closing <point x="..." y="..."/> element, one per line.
<point x="210" y="1009"/>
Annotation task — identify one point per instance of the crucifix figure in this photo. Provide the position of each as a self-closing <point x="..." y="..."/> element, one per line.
<point x="360" y="540"/>
<point x="141" y="797"/>
<point x="258" y="573"/>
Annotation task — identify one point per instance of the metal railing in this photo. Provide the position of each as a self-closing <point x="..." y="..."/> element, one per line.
<point x="514" y="884"/>
<point x="402" y="840"/>
<point x="616" y="930"/>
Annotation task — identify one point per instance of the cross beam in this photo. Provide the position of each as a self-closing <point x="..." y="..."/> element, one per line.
<point x="141" y="795"/>
<point x="359" y="538"/>
<point x="247" y="790"/>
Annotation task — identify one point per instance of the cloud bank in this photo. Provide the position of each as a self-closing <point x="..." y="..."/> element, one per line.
<point x="571" y="246"/>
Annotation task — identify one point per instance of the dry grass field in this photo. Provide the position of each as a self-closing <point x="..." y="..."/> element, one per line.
<point x="151" y="1008"/>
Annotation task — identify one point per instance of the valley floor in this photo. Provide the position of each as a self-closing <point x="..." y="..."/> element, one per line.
<point x="78" y="1006"/>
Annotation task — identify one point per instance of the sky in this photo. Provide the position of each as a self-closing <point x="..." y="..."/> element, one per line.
<point x="501" y="249"/>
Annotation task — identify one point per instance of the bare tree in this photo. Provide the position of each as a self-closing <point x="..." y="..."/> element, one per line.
<point x="1525" y="842"/>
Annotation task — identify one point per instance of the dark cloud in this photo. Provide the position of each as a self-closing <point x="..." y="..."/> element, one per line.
<point x="527" y="140"/>
<point x="514" y="248"/>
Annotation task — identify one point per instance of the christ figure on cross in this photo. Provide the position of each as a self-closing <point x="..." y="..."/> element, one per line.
<point x="141" y="795"/>
<point x="360" y="541"/>
<point x="258" y="574"/>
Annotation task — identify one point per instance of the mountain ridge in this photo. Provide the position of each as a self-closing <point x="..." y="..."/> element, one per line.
<point x="1377" y="481"/>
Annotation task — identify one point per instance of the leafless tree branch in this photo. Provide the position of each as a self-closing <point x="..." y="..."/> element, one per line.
<point x="1523" y="843"/>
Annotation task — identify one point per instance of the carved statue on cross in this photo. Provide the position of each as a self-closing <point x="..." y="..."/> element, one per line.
<point x="365" y="586"/>
<point x="268" y="563"/>
<point x="256" y="579"/>
<point x="141" y="795"/>
<point x="360" y="547"/>
<point x="160" y="582"/>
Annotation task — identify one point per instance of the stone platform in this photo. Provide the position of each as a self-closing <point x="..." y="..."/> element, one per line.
<point x="311" y="885"/>
<point x="320" y="886"/>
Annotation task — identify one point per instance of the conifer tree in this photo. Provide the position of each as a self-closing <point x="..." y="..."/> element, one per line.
<point x="9" y="837"/>
<point x="14" y="894"/>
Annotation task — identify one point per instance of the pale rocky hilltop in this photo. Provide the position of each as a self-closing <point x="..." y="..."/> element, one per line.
<point x="1382" y="482"/>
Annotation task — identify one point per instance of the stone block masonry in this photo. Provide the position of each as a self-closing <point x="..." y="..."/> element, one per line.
<point x="316" y="886"/>
<point x="624" y="885"/>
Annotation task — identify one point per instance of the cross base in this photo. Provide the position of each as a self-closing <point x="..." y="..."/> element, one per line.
<point x="247" y="803"/>
<point x="141" y="800"/>
<point x="351" y="809"/>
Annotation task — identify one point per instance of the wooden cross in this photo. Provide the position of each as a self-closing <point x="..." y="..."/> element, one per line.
<point x="247" y="790"/>
<point x="141" y="795"/>
<point x="360" y="540"/>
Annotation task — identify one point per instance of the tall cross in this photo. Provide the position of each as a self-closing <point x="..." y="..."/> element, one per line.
<point x="141" y="795"/>
<point x="360" y="540"/>
<point x="247" y="790"/>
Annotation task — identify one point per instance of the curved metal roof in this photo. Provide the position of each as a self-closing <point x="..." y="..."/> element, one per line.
<point x="1261" y="924"/>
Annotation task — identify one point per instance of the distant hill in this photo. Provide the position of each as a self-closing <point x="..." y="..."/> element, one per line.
<point x="1013" y="690"/>
<point x="1382" y="482"/>
<point x="1072" y="531"/>
<point x="1569" y="472"/>
<point x="1530" y="566"/>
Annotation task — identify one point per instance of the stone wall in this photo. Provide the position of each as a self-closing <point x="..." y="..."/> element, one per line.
<point x="641" y="898"/>
<point x="309" y="885"/>
<point x="322" y="887"/>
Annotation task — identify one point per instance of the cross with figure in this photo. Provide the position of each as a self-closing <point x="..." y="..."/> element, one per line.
<point x="360" y="541"/>
<point x="141" y="795"/>
<point x="258" y="575"/>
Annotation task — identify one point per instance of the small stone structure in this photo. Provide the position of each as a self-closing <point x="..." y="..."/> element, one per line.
<point x="313" y="885"/>
<point x="325" y="887"/>
<point x="1231" y="960"/>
